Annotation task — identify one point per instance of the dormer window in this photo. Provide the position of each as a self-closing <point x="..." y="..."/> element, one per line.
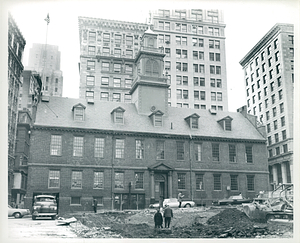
<point x="226" y="123"/>
<point x="78" y="112"/>
<point x="118" y="115"/>
<point x="193" y="121"/>
<point x="157" y="118"/>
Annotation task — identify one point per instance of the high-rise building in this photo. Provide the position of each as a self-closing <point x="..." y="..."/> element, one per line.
<point x="107" y="51"/>
<point x="269" y="83"/>
<point x="195" y="64"/>
<point x="194" y="44"/>
<point x="45" y="59"/>
<point x="16" y="45"/>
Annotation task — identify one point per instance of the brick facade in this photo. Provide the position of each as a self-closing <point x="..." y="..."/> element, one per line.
<point x="42" y="162"/>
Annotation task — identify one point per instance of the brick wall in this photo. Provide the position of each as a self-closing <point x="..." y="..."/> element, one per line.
<point x="42" y="162"/>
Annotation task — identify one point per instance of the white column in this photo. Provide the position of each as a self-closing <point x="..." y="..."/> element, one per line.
<point x="275" y="176"/>
<point x="170" y="182"/>
<point x="291" y="171"/>
<point x="152" y="185"/>
<point x="283" y="172"/>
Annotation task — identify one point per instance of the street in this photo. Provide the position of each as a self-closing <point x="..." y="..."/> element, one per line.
<point x="26" y="228"/>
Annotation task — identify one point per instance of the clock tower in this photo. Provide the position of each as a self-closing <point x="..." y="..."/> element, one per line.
<point x="149" y="91"/>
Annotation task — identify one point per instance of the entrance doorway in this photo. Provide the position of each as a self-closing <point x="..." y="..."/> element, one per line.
<point x="160" y="187"/>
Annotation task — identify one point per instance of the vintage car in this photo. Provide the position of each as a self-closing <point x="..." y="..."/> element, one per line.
<point x="233" y="200"/>
<point x="173" y="203"/>
<point x="44" y="206"/>
<point x="17" y="212"/>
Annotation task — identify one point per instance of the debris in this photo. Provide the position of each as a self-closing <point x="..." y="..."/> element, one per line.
<point x="195" y="223"/>
<point x="63" y="221"/>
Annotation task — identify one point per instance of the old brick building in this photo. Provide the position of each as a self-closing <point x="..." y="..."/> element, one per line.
<point x="128" y="155"/>
<point x="16" y="45"/>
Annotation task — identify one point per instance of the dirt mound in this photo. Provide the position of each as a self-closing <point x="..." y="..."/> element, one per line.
<point x="186" y="223"/>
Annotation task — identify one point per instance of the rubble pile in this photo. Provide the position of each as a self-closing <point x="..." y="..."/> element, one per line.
<point x="186" y="223"/>
<point x="232" y="223"/>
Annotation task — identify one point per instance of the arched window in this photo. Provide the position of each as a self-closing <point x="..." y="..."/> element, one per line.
<point x="148" y="68"/>
<point x="155" y="69"/>
<point x="152" y="68"/>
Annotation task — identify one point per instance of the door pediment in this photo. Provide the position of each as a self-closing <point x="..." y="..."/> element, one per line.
<point x="161" y="167"/>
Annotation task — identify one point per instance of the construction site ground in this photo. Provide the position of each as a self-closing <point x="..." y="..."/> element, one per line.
<point x="198" y="222"/>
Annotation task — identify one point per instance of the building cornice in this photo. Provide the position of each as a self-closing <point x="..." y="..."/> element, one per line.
<point x="148" y="134"/>
<point x="99" y="167"/>
<point x="261" y="44"/>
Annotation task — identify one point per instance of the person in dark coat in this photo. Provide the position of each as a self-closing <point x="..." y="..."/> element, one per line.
<point x="158" y="219"/>
<point x="95" y="204"/>
<point x="168" y="214"/>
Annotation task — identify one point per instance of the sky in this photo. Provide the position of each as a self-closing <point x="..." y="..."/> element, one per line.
<point x="246" y="23"/>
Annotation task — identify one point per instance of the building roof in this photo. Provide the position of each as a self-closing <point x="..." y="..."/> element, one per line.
<point x="57" y="112"/>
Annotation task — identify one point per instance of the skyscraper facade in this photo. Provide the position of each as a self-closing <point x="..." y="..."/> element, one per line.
<point x="195" y="64"/>
<point x="194" y="45"/>
<point x="16" y="45"/>
<point x="45" y="59"/>
<point x="107" y="51"/>
<point x="269" y="83"/>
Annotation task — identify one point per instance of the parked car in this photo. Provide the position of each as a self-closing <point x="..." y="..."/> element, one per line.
<point x="44" y="206"/>
<point x="173" y="203"/>
<point x="17" y="212"/>
<point x="233" y="200"/>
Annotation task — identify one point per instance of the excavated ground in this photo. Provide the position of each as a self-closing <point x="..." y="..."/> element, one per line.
<point x="225" y="222"/>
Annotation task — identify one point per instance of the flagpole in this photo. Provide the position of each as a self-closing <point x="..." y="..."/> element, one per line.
<point x="45" y="49"/>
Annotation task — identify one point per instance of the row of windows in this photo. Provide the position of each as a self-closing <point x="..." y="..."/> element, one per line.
<point x="274" y="110"/>
<point x="196" y="29"/>
<point x="272" y="86"/>
<point x="276" y="137"/>
<point x="198" y="95"/>
<point x="119" y="181"/>
<point x="128" y="39"/>
<point x="105" y="81"/>
<point x="182" y="40"/>
<point x="116" y="97"/>
<point x="278" y="150"/>
<point x="98" y="180"/>
<point x="282" y="119"/>
<point x="273" y="98"/>
<point x="106" y="52"/>
<point x="195" y="14"/>
<point x="197" y="106"/>
<point x="106" y="67"/>
<point x="99" y="148"/>
<point x="197" y="68"/>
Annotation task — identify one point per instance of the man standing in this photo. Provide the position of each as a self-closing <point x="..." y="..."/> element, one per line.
<point x="158" y="219"/>
<point x="168" y="214"/>
<point x="180" y="196"/>
<point x="95" y="202"/>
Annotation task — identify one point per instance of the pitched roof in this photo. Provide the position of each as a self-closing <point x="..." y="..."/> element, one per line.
<point x="58" y="113"/>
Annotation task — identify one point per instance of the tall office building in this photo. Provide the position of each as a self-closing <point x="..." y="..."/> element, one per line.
<point x="16" y="45"/>
<point x="194" y="45"/>
<point x="107" y="51"/>
<point x="195" y="64"/>
<point x="269" y="82"/>
<point x="45" y="59"/>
